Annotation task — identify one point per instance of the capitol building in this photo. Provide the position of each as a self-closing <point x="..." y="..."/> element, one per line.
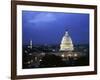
<point x="66" y="43"/>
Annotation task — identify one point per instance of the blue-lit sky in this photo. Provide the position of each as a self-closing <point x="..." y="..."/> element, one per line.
<point x="49" y="27"/>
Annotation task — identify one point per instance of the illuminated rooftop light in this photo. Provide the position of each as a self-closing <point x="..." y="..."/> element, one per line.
<point x="63" y="55"/>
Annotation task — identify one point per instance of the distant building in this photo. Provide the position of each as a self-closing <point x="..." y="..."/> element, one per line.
<point x="30" y="44"/>
<point x="66" y="43"/>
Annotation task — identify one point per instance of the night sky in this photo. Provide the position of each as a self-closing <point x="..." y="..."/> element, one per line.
<point x="49" y="27"/>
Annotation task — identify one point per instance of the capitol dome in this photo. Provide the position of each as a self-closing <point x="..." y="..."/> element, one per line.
<point x="66" y="43"/>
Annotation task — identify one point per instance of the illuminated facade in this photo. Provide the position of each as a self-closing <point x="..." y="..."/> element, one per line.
<point x="66" y="43"/>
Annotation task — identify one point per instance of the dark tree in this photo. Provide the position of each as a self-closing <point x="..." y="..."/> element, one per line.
<point x="51" y="60"/>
